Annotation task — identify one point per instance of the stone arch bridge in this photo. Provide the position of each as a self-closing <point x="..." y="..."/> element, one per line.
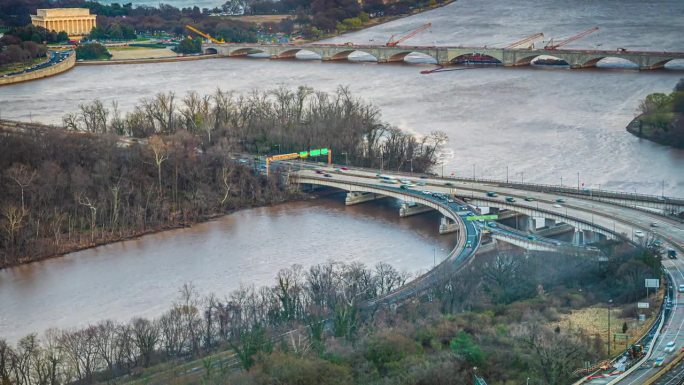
<point x="645" y="60"/>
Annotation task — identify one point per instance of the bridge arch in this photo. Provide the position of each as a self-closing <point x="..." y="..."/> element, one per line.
<point x="541" y="60"/>
<point x="354" y="55"/>
<point x="412" y="57"/>
<point x="610" y="62"/>
<point x="475" y="58"/>
<point x="246" y="51"/>
<point x="210" y="51"/>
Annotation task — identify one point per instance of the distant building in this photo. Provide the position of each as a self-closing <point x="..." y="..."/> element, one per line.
<point x="76" y="22"/>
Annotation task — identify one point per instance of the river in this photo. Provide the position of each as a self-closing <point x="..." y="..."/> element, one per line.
<point x="142" y="277"/>
<point x="540" y="124"/>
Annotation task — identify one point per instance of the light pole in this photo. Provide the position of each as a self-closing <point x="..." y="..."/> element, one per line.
<point x="434" y="256"/>
<point x="561" y="181"/>
<point x="528" y="381"/>
<point x="346" y="159"/>
<point x="411" y="165"/>
<point x="506" y="173"/>
<point x="610" y="305"/>
<point x="577" y="181"/>
<point x="473" y="171"/>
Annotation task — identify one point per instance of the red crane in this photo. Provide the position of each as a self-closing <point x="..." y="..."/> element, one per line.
<point x="393" y="43"/>
<point x="526" y="40"/>
<point x="580" y="35"/>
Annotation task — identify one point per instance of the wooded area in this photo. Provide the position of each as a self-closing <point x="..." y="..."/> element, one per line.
<point x="311" y="327"/>
<point x="170" y="162"/>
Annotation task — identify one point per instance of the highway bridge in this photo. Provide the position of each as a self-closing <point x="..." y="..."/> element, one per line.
<point x="605" y="215"/>
<point x="445" y="55"/>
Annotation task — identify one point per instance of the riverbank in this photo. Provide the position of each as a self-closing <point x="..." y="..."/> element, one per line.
<point x="146" y="61"/>
<point x="58" y="201"/>
<point x="667" y="134"/>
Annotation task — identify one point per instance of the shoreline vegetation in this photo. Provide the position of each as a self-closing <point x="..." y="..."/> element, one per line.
<point x="173" y="161"/>
<point x="661" y="118"/>
<point x="311" y="326"/>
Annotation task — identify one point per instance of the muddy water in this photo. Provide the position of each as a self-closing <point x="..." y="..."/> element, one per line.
<point x="142" y="277"/>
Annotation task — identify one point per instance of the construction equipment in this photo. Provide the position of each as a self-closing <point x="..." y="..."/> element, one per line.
<point x="526" y="40"/>
<point x="393" y="43"/>
<point x="552" y="46"/>
<point x="205" y="35"/>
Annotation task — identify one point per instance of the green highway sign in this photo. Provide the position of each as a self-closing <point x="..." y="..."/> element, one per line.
<point x="316" y="152"/>
<point x="482" y="217"/>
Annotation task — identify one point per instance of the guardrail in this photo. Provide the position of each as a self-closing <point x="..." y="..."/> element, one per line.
<point x="451" y="264"/>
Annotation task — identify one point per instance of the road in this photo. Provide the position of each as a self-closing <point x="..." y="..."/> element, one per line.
<point x="622" y="220"/>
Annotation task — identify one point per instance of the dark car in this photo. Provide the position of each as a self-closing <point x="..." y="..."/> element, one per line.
<point x="327" y="175"/>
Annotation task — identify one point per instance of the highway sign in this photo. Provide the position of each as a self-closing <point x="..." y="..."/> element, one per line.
<point x="652" y="283"/>
<point x="642" y="305"/>
<point x="482" y="217"/>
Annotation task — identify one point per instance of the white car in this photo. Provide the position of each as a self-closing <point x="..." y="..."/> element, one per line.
<point x="681" y="289"/>
<point x="638" y="233"/>
<point x="556" y="205"/>
<point x="670" y="347"/>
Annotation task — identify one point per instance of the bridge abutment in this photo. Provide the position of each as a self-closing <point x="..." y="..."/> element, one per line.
<point x="408" y="209"/>
<point x="356" y="197"/>
<point x="447" y="225"/>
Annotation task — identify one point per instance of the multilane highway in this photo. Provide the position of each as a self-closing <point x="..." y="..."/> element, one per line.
<point x="622" y="221"/>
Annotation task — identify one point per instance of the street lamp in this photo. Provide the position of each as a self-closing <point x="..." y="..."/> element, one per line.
<point x="346" y="159"/>
<point x="411" y="165"/>
<point x="610" y="305"/>
<point x="506" y="173"/>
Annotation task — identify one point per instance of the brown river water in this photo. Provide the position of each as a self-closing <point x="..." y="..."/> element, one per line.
<point x="543" y="124"/>
<point x="142" y="277"/>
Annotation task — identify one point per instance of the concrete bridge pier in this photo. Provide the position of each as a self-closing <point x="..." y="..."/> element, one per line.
<point x="410" y="208"/>
<point x="447" y="225"/>
<point x="578" y="238"/>
<point x="527" y="223"/>
<point x="356" y="197"/>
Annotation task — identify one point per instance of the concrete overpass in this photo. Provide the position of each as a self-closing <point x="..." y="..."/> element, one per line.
<point x="445" y="55"/>
<point x="610" y="218"/>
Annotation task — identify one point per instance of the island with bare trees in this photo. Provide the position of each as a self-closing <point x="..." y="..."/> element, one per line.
<point x="171" y="161"/>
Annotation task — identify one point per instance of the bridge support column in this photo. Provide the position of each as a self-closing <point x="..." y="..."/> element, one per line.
<point x="356" y="197"/>
<point x="446" y="226"/>
<point x="408" y="209"/>
<point x="528" y="224"/>
<point x="578" y="238"/>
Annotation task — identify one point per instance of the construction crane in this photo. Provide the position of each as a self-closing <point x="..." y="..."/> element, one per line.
<point x="204" y="35"/>
<point x="393" y="43"/>
<point x="526" y="40"/>
<point x="580" y="35"/>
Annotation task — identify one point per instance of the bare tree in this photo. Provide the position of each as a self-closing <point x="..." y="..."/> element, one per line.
<point x="22" y="175"/>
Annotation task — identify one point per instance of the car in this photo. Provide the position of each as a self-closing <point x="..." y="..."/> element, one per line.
<point x="638" y="233"/>
<point x="421" y="184"/>
<point x="404" y="181"/>
<point x="560" y="200"/>
<point x="654" y="224"/>
<point x="531" y="237"/>
<point x="427" y="192"/>
<point x="510" y="199"/>
<point x="344" y="168"/>
<point x="680" y="289"/>
<point x="448" y="184"/>
<point x="659" y="362"/>
<point x="529" y="199"/>
<point x="492" y="194"/>
<point x="557" y="206"/>
<point x="423" y="177"/>
<point x="670" y="347"/>
<point x="491" y="224"/>
<point x="450" y="200"/>
<point x="319" y="171"/>
<point x="327" y="175"/>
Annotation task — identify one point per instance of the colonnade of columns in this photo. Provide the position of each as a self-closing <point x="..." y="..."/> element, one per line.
<point x="77" y="26"/>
